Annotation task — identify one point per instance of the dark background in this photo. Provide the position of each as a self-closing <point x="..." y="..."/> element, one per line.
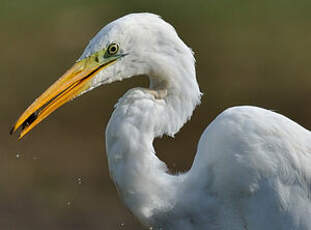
<point x="248" y="52"/>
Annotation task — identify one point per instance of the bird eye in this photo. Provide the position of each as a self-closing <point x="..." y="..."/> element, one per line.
<point x="113" y="48"/>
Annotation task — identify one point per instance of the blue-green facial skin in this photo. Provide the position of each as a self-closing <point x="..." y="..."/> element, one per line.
<point x="100" y="58"/>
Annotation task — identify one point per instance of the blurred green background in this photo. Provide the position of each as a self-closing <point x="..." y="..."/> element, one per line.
<point x="248" y="52"/>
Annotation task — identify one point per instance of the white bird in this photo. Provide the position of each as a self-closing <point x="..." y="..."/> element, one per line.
<point x="252" y="170"/>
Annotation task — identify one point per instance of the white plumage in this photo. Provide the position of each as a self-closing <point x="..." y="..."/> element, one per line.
<point x="252" y="170"/>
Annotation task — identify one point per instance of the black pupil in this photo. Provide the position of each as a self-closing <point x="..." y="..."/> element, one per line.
<point x="113" y="49"/>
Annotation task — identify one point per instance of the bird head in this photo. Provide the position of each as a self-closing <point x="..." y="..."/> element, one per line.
<point x="136" y="44"/>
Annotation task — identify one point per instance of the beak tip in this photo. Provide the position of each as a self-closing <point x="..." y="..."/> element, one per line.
<point x="12" y="130"/>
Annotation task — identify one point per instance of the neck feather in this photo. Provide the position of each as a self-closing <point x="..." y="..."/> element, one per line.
<point x="140" y="116"/>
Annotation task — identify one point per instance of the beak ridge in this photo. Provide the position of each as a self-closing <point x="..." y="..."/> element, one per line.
<point x="70" y="85"/>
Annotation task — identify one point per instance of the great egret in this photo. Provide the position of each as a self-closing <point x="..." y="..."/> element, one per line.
<point x="252" y="170"/>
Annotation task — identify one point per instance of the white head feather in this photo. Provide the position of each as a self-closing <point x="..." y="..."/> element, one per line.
<point x="152" y="48"/>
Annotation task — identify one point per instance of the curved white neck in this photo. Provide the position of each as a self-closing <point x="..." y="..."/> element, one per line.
<point x="140" y="116"/>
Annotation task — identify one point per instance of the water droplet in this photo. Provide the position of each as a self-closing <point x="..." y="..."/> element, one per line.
<point x="17" y="155"/>
<point x="79" y="180"/>
<point x="68" y="203"/>
<point x="122" y="225"/>
<point x="35" y="158"/>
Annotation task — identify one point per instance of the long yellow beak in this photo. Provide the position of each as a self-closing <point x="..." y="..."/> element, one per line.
<point x="70" y="85"/>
